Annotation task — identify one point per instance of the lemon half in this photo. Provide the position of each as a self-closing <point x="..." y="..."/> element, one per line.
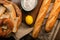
<point x="29" y="19"/>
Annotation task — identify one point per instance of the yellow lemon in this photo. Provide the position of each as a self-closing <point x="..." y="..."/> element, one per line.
<point x="29" y="19"/>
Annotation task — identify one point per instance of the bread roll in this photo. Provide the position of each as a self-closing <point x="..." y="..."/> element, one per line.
<point x="10" y="18"/>
<point x="53" y="16"/>
<point x="40" y="18"/>
<point x="16" y="16"/>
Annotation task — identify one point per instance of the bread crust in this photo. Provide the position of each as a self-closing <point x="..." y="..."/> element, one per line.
<point x="13" y="19"/>
<point x="5" y="22"/>
<point x="53" y="16"/>
<point x="40" y="18"/>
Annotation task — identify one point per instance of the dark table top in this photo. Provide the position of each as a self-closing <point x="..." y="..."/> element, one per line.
<point x="58" y="35"/>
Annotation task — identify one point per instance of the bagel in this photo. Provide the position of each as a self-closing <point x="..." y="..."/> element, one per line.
<point x="10" y="17"/>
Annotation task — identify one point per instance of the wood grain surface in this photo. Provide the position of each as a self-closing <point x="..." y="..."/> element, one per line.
<point x="33" y="13"/>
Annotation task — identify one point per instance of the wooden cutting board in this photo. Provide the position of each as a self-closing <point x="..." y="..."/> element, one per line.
<point x="33" y="13"/>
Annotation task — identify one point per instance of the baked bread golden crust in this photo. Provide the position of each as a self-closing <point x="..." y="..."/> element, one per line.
<point x="11" y="17"/>
<point x="6" y="26"/>
<point x="2" y="10"/>
<point x="40" y="18"/>
<point x="53" y="16"/>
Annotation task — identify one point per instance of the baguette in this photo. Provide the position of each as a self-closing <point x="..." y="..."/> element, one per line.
<point x="53" y="16"/>
<point x="40" y="18"/>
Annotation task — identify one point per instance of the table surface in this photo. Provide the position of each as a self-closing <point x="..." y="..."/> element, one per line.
<point x="58" y="22"/>
<point x="58" y="35"/>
